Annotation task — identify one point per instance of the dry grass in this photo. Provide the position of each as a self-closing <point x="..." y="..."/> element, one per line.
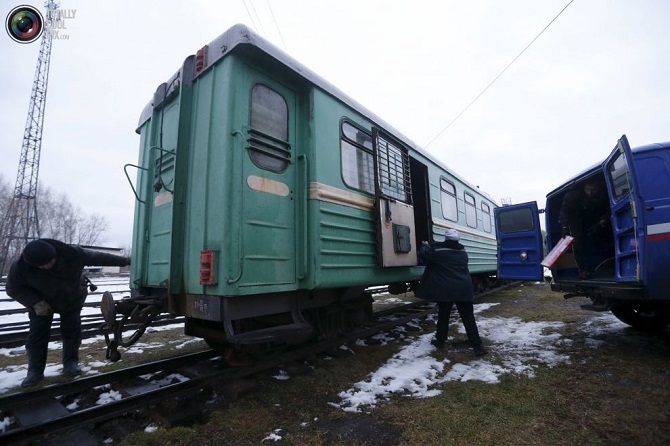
<point x="616" y="394"/>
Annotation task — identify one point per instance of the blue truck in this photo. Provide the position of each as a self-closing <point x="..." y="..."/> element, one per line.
<point x="630" y="275"/>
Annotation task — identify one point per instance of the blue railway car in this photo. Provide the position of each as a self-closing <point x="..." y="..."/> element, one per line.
<point x="631" y="274"/>
<point x="268" y="201"/>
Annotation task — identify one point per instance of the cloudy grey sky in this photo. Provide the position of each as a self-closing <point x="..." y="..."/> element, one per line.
<point x="599" y="71"/>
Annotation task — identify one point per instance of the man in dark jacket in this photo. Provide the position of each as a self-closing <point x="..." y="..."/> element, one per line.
<point x="446" y="280"/>
<point x="47" y="279"/>
<point x="584" y="215"/>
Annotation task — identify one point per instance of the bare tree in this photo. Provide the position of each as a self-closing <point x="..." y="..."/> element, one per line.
<point x="61" y="220"/>
<point x="5" y="198"/>
<point x="58" y="218"/>
<point x="90" y="229"/>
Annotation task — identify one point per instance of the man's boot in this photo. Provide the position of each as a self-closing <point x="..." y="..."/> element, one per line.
<point x="71" y="357"/>
<point x="37" y="361"/>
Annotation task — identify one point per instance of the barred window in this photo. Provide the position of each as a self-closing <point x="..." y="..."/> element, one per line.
<point x="357" y="161"/>
<point x="470" y="210"/>
<point x="393" y="169"/>
<point x="448" y="200"/>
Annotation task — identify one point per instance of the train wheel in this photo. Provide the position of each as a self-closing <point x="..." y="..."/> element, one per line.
<point x="642" y="318"/>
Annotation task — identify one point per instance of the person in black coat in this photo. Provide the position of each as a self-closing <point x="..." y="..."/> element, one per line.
<point x="585" y="215"/>
<point x="446" y="280"/>
<point x="48" y="279"/>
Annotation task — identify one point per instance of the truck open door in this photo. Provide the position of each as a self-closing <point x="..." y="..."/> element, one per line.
<point x="520" y="247"/>
<point x="627" y="213"/>
<point x="394" y="211"/>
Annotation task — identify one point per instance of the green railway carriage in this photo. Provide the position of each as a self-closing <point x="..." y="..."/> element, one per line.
<point x="268" y="200"/>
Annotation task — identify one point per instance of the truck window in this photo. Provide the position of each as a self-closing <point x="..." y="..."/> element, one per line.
<point x="619" y="177"/>
<point x="516" y="220"/>
<point x="655" y="183"/>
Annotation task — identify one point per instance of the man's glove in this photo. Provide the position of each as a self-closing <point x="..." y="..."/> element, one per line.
<point x="43" y="309"/>
<point x="127" y="261"/>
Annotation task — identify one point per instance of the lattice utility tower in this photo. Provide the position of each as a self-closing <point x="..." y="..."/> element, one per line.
<point x="21" y="223"/>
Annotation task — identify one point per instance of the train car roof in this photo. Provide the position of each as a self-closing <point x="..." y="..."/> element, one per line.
<point x="240" y="35"/>
<point x="598" y="166"/>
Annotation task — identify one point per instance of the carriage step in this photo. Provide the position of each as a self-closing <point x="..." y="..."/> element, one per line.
<point x="280" y="333"/>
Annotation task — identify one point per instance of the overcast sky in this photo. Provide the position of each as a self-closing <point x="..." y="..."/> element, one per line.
<point x="599" y="71"/>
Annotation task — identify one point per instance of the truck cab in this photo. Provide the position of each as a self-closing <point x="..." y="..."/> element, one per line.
<point x="620" y="259"/>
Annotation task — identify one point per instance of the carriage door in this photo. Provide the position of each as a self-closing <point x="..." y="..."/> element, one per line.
<point x="627" y="213"/>
<point x="162" y="158"/>
<point x="268" y="184"/>
<point x="394" y="214"/>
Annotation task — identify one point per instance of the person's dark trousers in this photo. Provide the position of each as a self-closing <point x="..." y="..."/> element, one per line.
<point x="70" y="325"/>
<point x="37" y="347"/>
<point x="580" y="248"/>
<point x="442" y="329"/>
<point x="467" y="313"/>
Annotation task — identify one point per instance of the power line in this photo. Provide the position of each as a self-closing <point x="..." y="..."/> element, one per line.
<point x="498" y="76"/>
<point x="276" y="25"/>
<point x="260" y="22"/>
<point x="253" y="22"/>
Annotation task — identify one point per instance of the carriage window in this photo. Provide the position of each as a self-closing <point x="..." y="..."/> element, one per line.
<point x="448" y="200"/>
<point x="618" y="172"/>
<point x="516" y="220"/>
<point x="267" y="139"/>
<point x="357" y="162"/>
<point x="470" y="210"/>
<point x="486" y="217"/>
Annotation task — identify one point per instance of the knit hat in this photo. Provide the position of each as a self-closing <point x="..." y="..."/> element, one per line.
<point x="38" y="253"/>
<point x="452" y="234"/>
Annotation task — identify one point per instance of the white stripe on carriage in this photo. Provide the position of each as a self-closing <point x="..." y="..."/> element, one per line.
<point x="659" y="228"/>
<point x="262" y="184"/>
<point x="323" y="192"/>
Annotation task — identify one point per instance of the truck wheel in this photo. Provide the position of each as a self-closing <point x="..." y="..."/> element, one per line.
<point x="642" y="318"/>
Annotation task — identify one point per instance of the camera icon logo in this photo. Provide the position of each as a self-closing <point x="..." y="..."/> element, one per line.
<point x="24" y="24"/>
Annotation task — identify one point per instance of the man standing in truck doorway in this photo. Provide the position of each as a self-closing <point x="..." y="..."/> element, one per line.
<point x="584" y="215"/>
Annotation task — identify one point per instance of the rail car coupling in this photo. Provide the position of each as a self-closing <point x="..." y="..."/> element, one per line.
<point x="136" y="314"/>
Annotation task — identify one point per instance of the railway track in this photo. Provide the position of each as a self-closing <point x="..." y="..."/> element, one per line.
<point x="48" y="415"/>
<point x="40" y="415"/>
<point x="15" y="333"/>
